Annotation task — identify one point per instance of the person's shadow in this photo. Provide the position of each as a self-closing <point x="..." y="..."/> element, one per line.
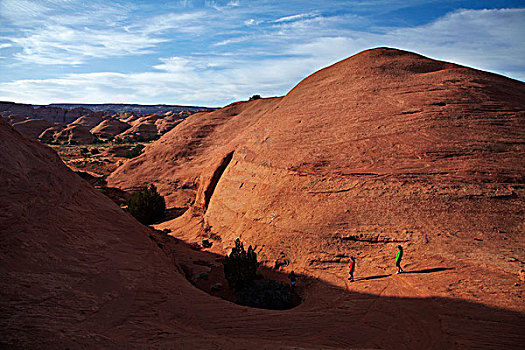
<point x="431" y="270"/>
<point x="372" y="277"/>
<point x="435" y="269"/>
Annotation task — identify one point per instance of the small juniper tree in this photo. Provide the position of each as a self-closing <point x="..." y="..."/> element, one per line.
<point x="240" y="267"/>
<point x="147" y="205"/>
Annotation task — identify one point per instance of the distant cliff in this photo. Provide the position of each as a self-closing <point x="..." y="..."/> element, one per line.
<point x="135" y="108"/>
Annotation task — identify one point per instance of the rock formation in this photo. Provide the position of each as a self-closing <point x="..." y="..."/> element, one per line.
<point x="109" y="128"/>
<point x="169" y="121"/>
<point x="74" y="135"/>
<point x="104" y="124"/>
<point x="49" y="135"/>
<point x="386" y="146"/>
<point x="33" y="127"/>
<point x="74" y="265"/>
<point x="89" y="120"/>
<point x="143" y="127"/>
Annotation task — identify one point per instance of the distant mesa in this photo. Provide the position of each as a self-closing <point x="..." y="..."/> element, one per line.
<point x="134" y="108"/>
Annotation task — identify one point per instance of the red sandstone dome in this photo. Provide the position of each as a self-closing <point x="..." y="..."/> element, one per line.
<point x="386" y="145"/>
<point x="109" y="128"/>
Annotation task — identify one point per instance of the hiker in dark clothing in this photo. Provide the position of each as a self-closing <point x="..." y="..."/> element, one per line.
<point x="352" y="269"/>
<point x="399" y="257"/>
<point x="291" y="277"/>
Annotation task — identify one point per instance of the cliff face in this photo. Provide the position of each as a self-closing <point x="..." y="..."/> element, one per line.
<point x="384" y="146"/>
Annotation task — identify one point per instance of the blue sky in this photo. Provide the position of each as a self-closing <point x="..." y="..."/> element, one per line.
<point x="212" y="53"/>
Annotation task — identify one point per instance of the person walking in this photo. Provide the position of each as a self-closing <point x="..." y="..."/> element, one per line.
<point x="292" y="279"/>
<point x="351" y="269"/>
<point x="399" y="257"/>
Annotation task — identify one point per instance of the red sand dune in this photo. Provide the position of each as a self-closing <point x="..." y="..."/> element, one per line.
<point x="384" y="147"/>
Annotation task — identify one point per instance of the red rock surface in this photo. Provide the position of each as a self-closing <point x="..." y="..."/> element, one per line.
<point x="76" y="271"/>
<point x="90" y="120"/>
<point x="74" y="134"/>
<point x="169" y="121"/>
<point x="48" y="135"/>
<point x="32" y="128"/>
<point x="383" y="148"/>
<point x="109" y="128"/>
<point x="144" y="126"/>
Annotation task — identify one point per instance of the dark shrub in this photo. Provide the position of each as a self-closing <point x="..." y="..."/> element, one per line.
<point x="255" y="97"/>
<point x="83" y="151"/>
<point x="266" y="294"/>
<point x="147" y="205"/>
<point x="95" y="151"/>
<point x="240" y="267"/>
<point x="135" y="151"/>
<point x="206" y="243"/>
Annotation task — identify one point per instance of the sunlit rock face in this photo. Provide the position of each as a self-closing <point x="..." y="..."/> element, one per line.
<point x="384" y="146"/>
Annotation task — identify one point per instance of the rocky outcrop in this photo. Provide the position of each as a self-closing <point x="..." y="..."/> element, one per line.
<point x="17" y="108"/>
<point x="89" y="120"/>
<point x="12" y="118"/>
<point x="74" y="135"/>
<point x="109" y="128"/>
<point x="51" y="114"/>
<point x="32" y="128"/>
<point x="169" y="121"/>
<point x="142" y="128"/>
<point x="49" y="135"/>
<point x="132" y="126"/>
<point x="77" y="261"/>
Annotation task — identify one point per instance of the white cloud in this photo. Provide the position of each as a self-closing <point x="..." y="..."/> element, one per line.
<point x="181" y="22"/>
<point x="251" y="22"/>
<point x="277" y="59"/>
<point x="60" y="45"/>
<point x="295" y="17"/>
<point x="72" y="39"/>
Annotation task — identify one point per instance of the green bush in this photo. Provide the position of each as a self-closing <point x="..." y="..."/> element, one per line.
<point x="255" y="97"/>
<point x="147" y="205"/>
<point x="266" y="294"/>
<point x="135" y="151"/>
<point x="240" y="267"/>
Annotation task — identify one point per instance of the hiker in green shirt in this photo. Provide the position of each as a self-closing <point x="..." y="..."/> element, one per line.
<point x="399" y="257"/>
